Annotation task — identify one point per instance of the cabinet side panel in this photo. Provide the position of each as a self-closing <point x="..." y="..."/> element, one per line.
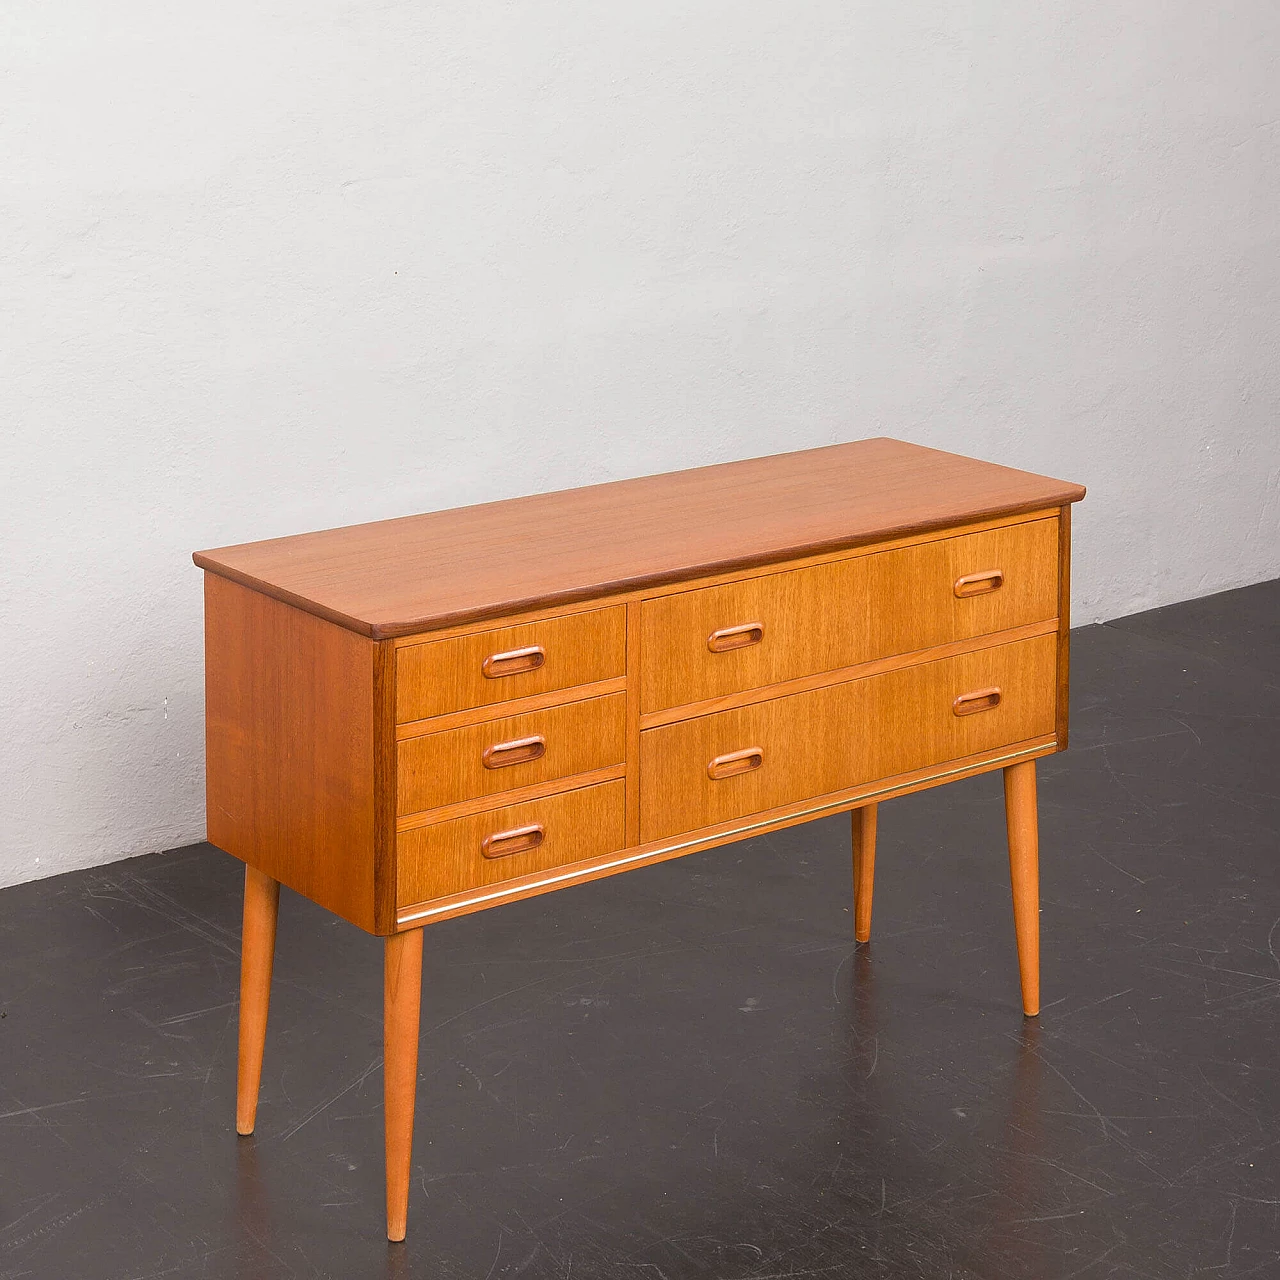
<point x="1064" y="627"/>
<point x="289" y="732"/>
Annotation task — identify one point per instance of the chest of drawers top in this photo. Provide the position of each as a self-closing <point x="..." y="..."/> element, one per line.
<point x="448" y="568"/>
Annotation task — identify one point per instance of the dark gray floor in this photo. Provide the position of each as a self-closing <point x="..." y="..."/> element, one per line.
<point x="689" y="1071"/>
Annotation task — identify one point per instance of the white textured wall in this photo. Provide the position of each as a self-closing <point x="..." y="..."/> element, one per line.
<point x="266" y="268"/>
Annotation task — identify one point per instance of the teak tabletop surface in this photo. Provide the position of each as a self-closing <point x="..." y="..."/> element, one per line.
<point x="424" y="572"/>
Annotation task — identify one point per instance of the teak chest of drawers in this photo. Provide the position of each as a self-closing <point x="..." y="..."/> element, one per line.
<point x="419" y="718"/>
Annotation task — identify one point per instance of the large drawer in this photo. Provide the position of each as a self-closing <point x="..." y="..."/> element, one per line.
<point x="440" y="676"/>
<point x="517" y="751"/>
<point x="467" y="853"/>
<point x="719" y="767"/>
<point x="711" y="641"/>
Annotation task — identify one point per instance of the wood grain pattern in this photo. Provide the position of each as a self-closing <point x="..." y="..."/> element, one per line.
<point x="396" y="577"/>
<point x="485" y="804"/>
<point x="417" y="719"/>
<point x="864" y="868"/>
<point x="834" y="738"/>
<point x="633" y="722"/>
<point x="1024" y="874"/>
<point x="1064" y="627"/>
<point x="257" y="957"/>
<point x="530" y="885"/>
<point x="384" y="787"/>
<point x="443" y="676"/>
<point x="512" y="707"/>
<point x="690" y="710"/>
<point x="914" y="604"/>
<point x="445" y="768"/>
<point x="845" y="613"/>
<point x="290" y="747"/>
<point x="401" y="1012"/>
<point x="718" y="579"/>
<point x="446" y="857"/>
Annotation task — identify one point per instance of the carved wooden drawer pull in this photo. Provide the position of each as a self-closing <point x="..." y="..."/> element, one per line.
<point x="969" y="704"/>
<point x="517" y="751"/>
<point x="734" y="763"/>
<point x="978" y="584"/>
<point x="502" y="844"/>
<point x="514" y="662"/>
<point x="728" y="638"/>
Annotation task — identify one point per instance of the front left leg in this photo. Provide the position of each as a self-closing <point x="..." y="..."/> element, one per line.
<point x="864" y="869"/>
<point x="402" y="998"/>
<point x="1022" y="821"/>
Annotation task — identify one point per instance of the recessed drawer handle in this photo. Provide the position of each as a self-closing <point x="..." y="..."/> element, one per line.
<point x="969" y="704"/>
<point x="728" y="638"/>
<point x="978" y="584"/>
<point x="518" y="751"/>
<point x="502" y="844"/>
<point x="734" y="763"/>
<point x="514" y="662"/>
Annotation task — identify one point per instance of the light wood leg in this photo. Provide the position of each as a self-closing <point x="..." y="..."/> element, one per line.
<point x="257" y="954"/>
<point x="402" y="999"/>
<point x="864" y="869"/>
<point x="1024" y="876"/>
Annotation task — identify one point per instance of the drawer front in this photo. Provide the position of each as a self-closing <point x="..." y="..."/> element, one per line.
<point x="719" y="767"/>
<point x="516" y="751"/>
<point x="960" y="588"/>
<point x="746" y="635"/>
<point x="441" y="676"/>
<point x="469" y="853"/>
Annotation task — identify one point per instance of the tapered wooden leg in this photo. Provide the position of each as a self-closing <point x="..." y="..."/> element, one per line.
<point x="1024" y="875"/>
<point x="402" y="998"/>
<point x="864" y="869"/>
<point x="257" y="953"/>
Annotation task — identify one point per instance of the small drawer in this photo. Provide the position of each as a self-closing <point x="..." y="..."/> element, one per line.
<point x="516" y="751"/>
<point x="959" y="588"/>
<point x="467" y="853"/>
<point x="708" y="642"/>
<point x="487" y="667"/>
<point x="716" y="768"/>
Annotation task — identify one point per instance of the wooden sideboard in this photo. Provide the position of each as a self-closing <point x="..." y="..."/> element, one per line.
<point x="419" y="718"/>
